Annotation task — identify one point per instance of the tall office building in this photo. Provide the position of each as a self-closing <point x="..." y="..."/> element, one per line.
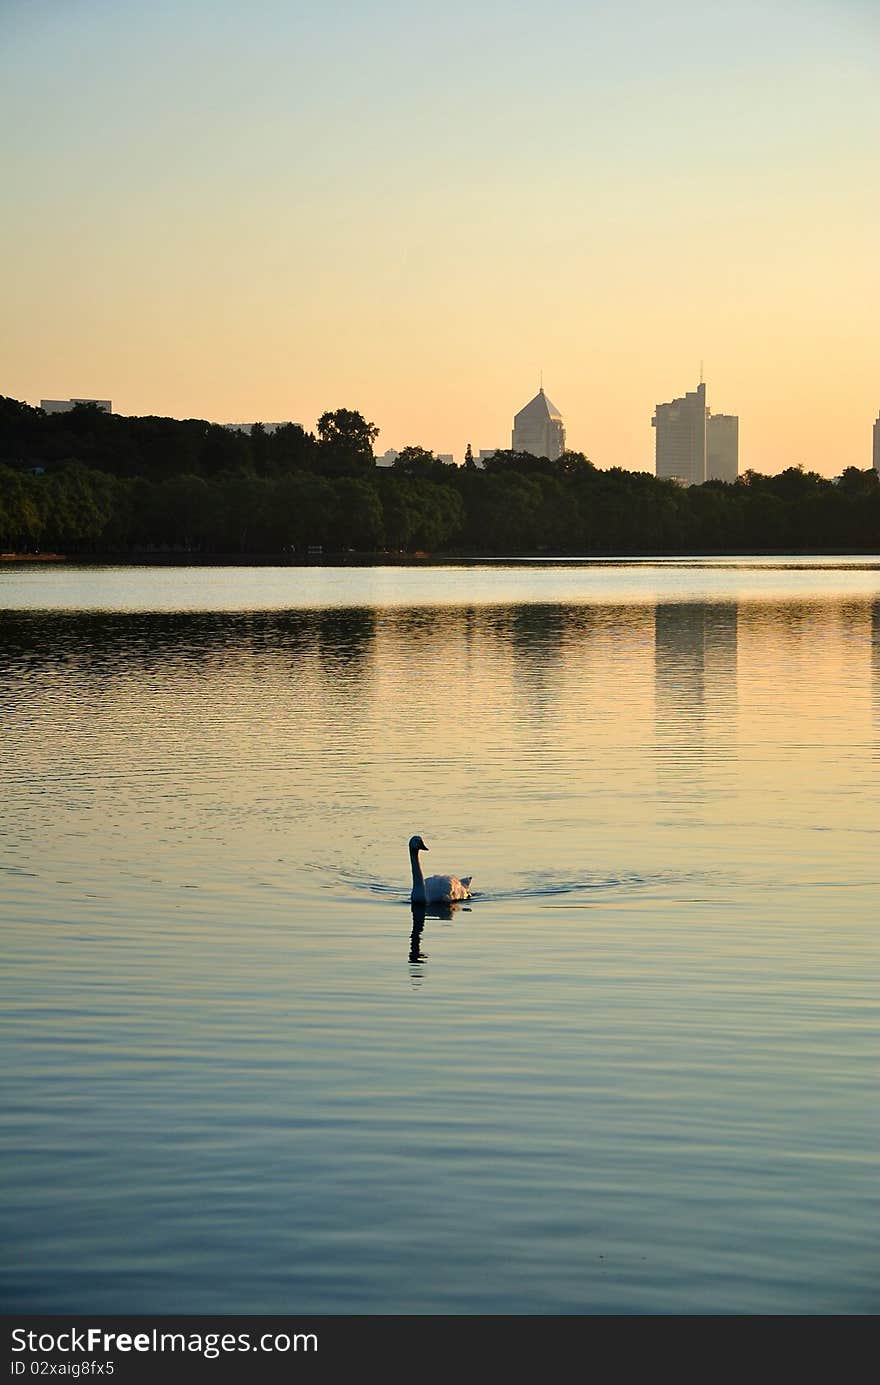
<point x="877" y="444"/>
<point x="693" y="445"/>
<point x="722" y="447"/>
<point x="538" y="428"/>
<point x="680" y="442"/>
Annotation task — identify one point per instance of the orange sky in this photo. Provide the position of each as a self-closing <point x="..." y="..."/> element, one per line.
<point x="266" y="214"/>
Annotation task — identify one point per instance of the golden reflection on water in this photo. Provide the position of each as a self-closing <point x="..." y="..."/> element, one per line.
<point x="650" y="1037"/>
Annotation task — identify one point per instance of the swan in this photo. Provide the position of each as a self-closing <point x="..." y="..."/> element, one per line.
<point x="437" y="889"/>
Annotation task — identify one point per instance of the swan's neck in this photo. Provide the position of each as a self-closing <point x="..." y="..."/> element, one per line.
<point x="418" y="878"/>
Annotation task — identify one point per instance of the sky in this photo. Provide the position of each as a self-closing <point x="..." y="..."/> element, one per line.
<point x="264" y="211"/>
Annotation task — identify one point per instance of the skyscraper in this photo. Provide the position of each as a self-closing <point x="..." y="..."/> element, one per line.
<point x="722" y="447"/>
<point x="538" y="428"/>
<point x="681" y="438"/>
<point x="692" y="445"/>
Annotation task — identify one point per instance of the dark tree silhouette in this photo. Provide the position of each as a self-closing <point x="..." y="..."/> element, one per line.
<point x="86" y="482"/>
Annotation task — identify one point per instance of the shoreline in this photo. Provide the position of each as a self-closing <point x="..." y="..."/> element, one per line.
<point x="349" y="559"/>
<point x="34" y="558"/>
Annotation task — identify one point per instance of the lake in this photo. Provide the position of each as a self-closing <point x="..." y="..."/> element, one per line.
<point x="636" y="1073"/>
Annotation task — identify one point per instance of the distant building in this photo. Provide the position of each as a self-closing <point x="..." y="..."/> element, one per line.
<point x="877" y="444"/>
<point x="538" y="428"/>
<point x="390" y="457"/>
<point x="680" y="441"/>
<point x="693" y="445"/>
<point x="484" y="454"/>
<point x="248" y="427"/>
<point x="722" y="447"/>
<point x="64" y="406"/>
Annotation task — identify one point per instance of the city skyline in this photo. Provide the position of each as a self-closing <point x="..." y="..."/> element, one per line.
<point x="412" y="237"/>
<point x="692" y="444"/>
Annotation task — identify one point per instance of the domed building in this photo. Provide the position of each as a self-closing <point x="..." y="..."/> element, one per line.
<point x="538" y="428"/>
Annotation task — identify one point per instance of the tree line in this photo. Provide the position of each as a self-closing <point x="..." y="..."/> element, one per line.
<point x="95" y="484"/>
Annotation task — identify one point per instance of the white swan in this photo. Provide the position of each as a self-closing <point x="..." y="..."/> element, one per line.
<point x="437" y="889"/>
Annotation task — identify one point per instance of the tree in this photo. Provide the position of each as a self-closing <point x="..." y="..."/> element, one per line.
<point x="259" y="448"/>
<point x="291" y="448"/>
<point x="558" y="518"/>
<point x="575" y="464"/>
<point x="187" y="511"/>
<point x="22" y="431"/>
<point x="306" y="508"/>
<point x="244" y="513"/>
<point x="418" y="461"/>
<point x="79" y="504"/>
<point x="358" y="520"/>
<point x="226" y="451"/>
<point x="469" y="459"/>
<point x="794" y="483"/>
<point x="502" y="513"/>
<point x="856" y="482"/>
<point x="21" y="515"/>
<point x="437" y="512"/>
<point x="346" y="442"/>
<point x="399" y="513"/>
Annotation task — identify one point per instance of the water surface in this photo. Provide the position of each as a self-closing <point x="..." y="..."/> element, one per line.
<point x="638" y="1074"/>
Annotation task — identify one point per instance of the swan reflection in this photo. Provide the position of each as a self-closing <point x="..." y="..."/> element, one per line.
<point x="443" y="909"/>
<point x="415" y="937"/>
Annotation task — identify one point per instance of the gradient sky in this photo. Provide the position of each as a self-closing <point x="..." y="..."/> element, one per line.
<point x="266" y="211"/>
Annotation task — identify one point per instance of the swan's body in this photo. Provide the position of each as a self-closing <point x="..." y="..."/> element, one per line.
<point x="437" y="889"/>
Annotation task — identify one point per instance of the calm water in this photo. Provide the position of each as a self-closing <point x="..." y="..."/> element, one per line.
<point x="638" y="1074"/>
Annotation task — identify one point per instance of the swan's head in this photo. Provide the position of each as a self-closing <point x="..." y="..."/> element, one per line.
<point x="416" y="844"/>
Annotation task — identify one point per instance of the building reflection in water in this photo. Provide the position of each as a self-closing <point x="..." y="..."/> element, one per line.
<point x="875" y="674"/>
<point x="695" y="697"/>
